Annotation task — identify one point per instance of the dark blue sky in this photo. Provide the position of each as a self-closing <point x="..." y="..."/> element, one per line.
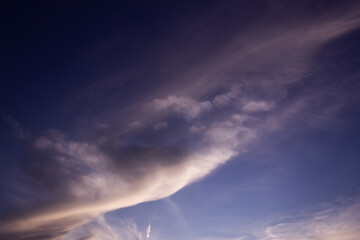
<point x="205" y="120"/>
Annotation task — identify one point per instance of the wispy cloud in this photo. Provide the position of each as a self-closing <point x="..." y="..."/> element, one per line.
<point x="340" y="220"/>
<point x="15" y="125"/>
<point x="226" y="98"/>
<point x="160" y="125"/>
<point x="185" y="106"/>
<point x="100" y="229"/>
<point x="257" y="106"/>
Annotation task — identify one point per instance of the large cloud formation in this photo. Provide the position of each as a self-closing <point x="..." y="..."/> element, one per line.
<point x="172" y="136"/>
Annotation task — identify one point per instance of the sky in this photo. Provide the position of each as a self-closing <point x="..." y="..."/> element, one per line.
<point x="169" y="120"/>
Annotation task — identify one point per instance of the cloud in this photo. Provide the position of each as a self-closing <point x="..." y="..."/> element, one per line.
<point x="185" y="106"/>
<point x="73" y="179"/>
<point x="148" y="231"/>
<point x="178" y="214"/>
<point x="15" y="125"/>
<point x="160" y="125"/>
<point x="101" y="229"/>
<point x="226" y="98"/>
<point x="257" y="106"/>
<point x="83" y="175"/>
<point x="230" y="132"/>
<point x="143" y="168"/>
<point x="340" y="220"/>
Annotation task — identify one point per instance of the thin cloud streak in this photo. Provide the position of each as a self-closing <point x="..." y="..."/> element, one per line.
<point x="148" y="231"/>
